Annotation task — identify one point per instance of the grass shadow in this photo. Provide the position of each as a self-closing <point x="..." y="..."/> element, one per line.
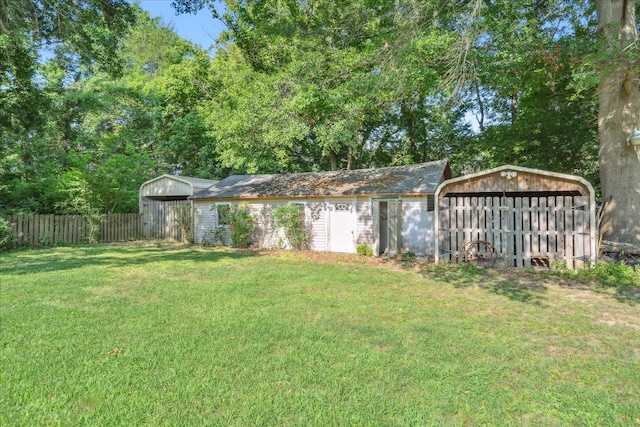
<point x="621" y="292"/>
<point x="31" y="261"/>
<point x="463" y="276"/>
<point x="523" y="290"/>
<point x="525" y="287"/>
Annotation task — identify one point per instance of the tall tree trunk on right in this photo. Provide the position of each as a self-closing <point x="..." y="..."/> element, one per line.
<point x="618" y="115"/>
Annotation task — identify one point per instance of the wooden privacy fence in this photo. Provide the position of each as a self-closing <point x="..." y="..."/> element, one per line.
<point x="161" y="218"/>
<point x="73" y="229"/>
<point x="525" y="231"/>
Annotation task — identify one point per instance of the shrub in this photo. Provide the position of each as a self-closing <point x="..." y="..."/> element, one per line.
<point x="291" y="217"/>
<point x="8" y="235"/>
<point x="608" y="274"/>
<point x="214" y="237"/>
<point x="240" y="223"/>
<point x="364" y="250"/>
<point x="408" y="257"/>
<point x="613" y="274"/>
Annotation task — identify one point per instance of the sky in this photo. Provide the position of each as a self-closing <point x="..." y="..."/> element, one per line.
<point x="200" y="29"/>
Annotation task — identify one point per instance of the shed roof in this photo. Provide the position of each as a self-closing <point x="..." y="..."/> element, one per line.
<point x="521" y="179"/>
<point x="409" y="180"/>
<point x="172" y="186"/>
<point x="195" y="182"/>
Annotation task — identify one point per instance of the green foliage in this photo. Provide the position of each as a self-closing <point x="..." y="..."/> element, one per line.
<point x="214" y="237"/>
<point x="291" y="218"/>
<point x="8" y="235"/>
<point x="615" y="274"/>
<point x="293" y="87"/>
<point x="115" y="130"/>
<point x="240" y="223"/>
<point x="364" y="250"/>
<point x="82" y="200"/>
<point x="408" y="257"/>
<point x="89" y="30"/>
<point x="606" y="274"/>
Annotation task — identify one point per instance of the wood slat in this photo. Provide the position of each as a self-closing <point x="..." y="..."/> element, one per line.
<point x="36" y="230"/>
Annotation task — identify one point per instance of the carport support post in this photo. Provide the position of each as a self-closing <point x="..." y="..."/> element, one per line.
<point x="436" y="222"/>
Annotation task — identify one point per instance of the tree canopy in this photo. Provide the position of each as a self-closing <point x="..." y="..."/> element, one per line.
<point x="97" y="92"/>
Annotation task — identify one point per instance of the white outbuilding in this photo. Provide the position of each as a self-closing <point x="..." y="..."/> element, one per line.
<point x="390" y="209"/>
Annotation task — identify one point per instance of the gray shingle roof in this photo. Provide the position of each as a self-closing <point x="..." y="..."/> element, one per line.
<point x="410" y="179"/>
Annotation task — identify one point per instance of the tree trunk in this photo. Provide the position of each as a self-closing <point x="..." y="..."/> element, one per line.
<point x="618" y="115"/>
<point x="333" y="159"/>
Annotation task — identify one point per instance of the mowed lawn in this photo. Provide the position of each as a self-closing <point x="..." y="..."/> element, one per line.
<point x="146" y="335"/>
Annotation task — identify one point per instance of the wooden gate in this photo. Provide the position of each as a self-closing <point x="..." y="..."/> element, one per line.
<point x="527" y="230"/>
<point x="160" y="218"/>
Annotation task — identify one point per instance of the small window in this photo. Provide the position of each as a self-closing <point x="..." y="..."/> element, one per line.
<point x="223" y="213"/>
<point x="343" y="207"/>
<point x="431" y="203"/>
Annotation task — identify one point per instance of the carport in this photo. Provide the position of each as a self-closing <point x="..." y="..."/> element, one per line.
<point x="527" y="217"/>
<point x="161" y="199"/>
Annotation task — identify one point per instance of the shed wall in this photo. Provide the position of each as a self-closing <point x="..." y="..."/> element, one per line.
<point x="317" y="214"/>
<point x="417" y="227"/>
<point x="204" y="219"/>
<point x="417" y="232"/>
<point x="364" y="229"/>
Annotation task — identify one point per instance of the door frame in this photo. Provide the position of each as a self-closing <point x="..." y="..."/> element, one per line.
<point x="330" y="207"/>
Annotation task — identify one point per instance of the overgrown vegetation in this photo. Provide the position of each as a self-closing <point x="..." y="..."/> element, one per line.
<point x="8" y="235"/>
<point x="199" y="336"/>
<point x="611" y="274"/>
<point x="239" y="221"/>
<point x="291" y="218"/>
<point x="81" y="199"/>
<point x="354" y="84"/>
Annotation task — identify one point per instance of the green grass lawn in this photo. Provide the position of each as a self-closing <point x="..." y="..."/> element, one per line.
<point x="146" y="335"/>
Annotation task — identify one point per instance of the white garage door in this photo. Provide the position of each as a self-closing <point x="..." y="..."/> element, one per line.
<point x="342" y="227"/>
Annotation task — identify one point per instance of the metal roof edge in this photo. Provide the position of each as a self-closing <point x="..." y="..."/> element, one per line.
<point x="518" y="169"/>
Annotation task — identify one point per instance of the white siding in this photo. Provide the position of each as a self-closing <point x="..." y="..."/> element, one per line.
<point x="417" y="224"/>
<point x="266" y="234"/>
<point x="364" y="232"/>
<point x="317" y="214"/>
<point x="417" y="227"/>
<point x="431" y="234"/>
<point x="204" y="221"/>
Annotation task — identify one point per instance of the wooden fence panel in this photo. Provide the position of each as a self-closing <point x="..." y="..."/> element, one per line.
<point x="45" y="230"/>
<point x="160" y="219"/>
<point x="525" y="230"/>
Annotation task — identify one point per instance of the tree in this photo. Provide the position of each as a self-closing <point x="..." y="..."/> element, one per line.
<point x="90" y="30"/>
<point x="619" y="114"/>
<point x="113" y="130"/>
<point x="44" y="47"/>
<point x="310" y="85"/>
